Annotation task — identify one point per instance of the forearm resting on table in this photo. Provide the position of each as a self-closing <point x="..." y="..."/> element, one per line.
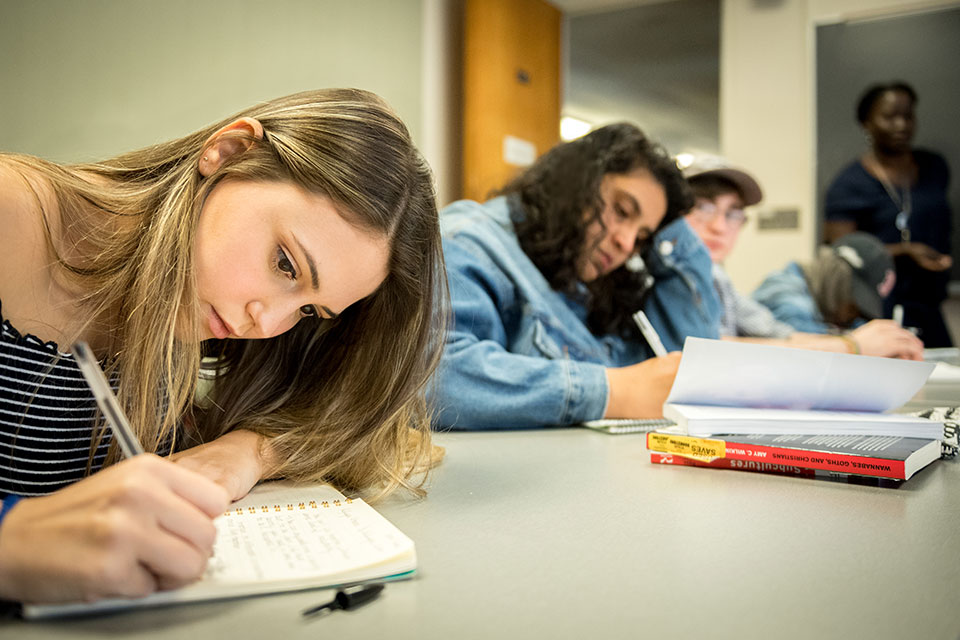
<point x="883" y="338"/>
<point x="814" y="341"/>
<point x="236" y="460"/>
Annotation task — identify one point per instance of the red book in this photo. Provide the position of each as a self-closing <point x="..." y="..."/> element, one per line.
<point x="874" y="456"/>
<point x="777" y="469"/>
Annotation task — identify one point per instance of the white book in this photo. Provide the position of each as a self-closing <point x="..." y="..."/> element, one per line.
<point x="281" y="537"/>
<point x="728" y="387"/>
<point x="945" y="373"/>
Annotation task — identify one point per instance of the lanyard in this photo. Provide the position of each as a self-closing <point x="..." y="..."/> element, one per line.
<point x="904" y="203"/>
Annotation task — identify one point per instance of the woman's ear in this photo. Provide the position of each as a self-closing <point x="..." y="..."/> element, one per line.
<point x="230" y="140"/>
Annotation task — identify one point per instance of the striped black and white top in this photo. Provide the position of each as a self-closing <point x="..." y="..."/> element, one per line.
<point x="46" y="417"/>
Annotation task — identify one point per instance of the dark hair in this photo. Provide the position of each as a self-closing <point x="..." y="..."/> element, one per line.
<point x="711" y="186"/>
<point x="554" y="201"/>
<point x="875" y="91"/>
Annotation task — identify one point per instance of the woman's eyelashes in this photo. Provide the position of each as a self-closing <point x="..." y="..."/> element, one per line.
<point x="284" y="265"/>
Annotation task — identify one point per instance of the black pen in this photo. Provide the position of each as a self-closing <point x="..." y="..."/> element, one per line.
<point x="349" y="598"/>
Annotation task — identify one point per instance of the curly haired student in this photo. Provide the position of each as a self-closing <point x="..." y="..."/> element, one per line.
<point x="545" y="279"/>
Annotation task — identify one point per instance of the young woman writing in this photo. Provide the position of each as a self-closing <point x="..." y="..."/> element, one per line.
<point x="289" y="256"/>
<point x="545" y="280"/>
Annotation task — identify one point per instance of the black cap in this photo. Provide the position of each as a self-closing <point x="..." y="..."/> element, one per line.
<point x="873" y="274"/>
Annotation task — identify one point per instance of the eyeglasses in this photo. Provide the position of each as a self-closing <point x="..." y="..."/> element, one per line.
<point x="707" y="211"/>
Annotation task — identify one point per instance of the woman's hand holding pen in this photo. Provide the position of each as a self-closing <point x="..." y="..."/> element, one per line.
<point x="141" y="525"/>
<point x="236" y="461"/>
<point x="639" y="390"/>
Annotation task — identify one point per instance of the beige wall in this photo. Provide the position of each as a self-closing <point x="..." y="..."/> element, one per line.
<point x="85" y="79"/>
<point x="767" y="119"/>
<point x="442" y="94"/>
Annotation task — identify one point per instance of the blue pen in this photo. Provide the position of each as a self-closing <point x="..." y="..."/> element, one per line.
<point x="119" y="425"/>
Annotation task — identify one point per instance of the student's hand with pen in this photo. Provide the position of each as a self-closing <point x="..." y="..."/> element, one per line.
<point x="887" y="339"/>
<point x="639" y="390"/>
<point x="139" y="526"/>
<point x="236" y="461"/>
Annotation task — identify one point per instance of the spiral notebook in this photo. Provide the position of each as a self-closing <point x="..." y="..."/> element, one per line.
<point x="627" y="425"/>
<point x="281" y="537"/>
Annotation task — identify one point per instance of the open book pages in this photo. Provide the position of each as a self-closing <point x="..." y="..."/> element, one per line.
<point x="945" y="373"/>
<point x="701" y="420"/>
<point x="739" y="374"/>
<point x="725" y="387"/>
<point x="282" y="537"/>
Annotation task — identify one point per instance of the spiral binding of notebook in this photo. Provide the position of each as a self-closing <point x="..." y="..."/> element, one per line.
<point x="628" y="425"/>
<point x="300" y="506"/>
<point x="950" y="416"/>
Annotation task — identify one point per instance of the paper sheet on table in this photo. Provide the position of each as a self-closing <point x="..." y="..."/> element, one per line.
<point x="739" y="374"/>
<point x="945" y="373"/>
<point x="941" y="354"/>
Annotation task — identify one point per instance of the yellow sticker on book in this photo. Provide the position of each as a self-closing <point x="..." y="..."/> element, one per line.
<point x="689" y="447"/>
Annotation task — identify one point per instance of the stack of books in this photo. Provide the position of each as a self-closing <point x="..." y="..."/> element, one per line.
<point x="804" y="413"/>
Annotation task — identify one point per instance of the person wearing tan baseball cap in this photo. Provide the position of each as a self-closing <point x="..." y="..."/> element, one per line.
<point x="722" y="191"/>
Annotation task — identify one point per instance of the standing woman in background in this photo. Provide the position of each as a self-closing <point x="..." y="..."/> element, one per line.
<point x="899" y="194"/>
<point x="294" y="250"/>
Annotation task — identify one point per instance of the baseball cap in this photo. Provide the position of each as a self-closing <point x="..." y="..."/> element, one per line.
<point x="705" y="165"/>
<point x="873" y="274"/>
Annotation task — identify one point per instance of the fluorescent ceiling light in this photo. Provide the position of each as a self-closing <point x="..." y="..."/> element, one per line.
<point x="684" y="160"/>
<point x="571" y="128"/>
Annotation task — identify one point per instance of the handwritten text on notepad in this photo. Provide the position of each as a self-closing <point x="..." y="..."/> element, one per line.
<point x="264" y="545"/>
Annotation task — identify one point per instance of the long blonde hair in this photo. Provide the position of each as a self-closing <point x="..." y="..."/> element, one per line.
<point x="342" y="400"/>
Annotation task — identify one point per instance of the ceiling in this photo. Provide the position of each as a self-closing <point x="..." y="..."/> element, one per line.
<point x="655" y="63"/>
<point x="571" y="7"/>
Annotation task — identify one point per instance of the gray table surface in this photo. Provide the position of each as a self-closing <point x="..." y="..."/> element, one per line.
<point x="568" y="533"/>
<point x="934" y="395"/>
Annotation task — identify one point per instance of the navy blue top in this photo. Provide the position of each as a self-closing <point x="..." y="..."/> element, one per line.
<point x="858" y="197"/>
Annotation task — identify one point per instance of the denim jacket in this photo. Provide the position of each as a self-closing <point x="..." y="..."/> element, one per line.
<point x="518" y="353"/>
<point x="788" y="297"/>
